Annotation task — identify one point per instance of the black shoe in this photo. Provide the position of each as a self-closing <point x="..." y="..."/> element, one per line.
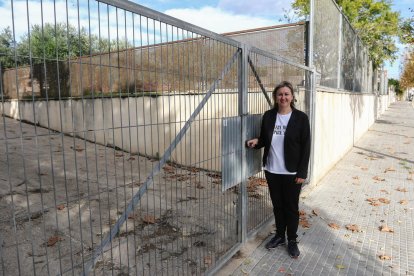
<point x="275" y="242"/>
<point x="293" y="249"/>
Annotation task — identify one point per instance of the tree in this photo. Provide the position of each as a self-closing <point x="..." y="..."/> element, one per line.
<point x="407" y="29"/>
<point x="6" y="48"/>
<point x="396" y="84"/>
<point x="374" y="21"/>
<point x="61" y="42"/>
<point x="53" y="42"/>
<point x="407" y="77"/>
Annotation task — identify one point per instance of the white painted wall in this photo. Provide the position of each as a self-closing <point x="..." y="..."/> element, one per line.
<point x="340" y="120"/>
<point x="148" y="125"/>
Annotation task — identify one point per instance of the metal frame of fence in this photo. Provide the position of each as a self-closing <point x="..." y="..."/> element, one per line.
<point x="111" y="157"/>
<point x="114" y="164"/>
<point x="341" y="58"/>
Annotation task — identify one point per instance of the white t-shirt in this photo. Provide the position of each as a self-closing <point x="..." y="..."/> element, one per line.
<point x="276" y="158"/>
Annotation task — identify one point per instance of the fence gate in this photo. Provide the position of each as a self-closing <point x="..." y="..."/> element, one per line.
<point x="112" y="141"/>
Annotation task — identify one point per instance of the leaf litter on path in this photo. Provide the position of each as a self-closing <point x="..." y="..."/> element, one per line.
<point x="334" y="225"/>
<point x="378" y="178"/>
<point x="384" y="257"/>
<point x="389" y="169"/>
<point x="385" y="228"/>
<point x="352" y="227"/>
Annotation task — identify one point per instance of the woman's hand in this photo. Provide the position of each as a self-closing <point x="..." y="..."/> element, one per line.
<point x="299" y="180"/>
<point x="252" y="143"/>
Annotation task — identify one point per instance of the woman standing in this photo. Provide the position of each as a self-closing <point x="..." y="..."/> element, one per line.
<point x="285" y="136"/>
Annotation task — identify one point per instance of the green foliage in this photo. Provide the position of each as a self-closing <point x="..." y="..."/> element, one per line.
<point x="54" y="42"/>
<point x="407" y="29"/>
<point x="301" y="8"/>
<point x="6" y="48"/>
<point x="374" y="21"/>
<point x="396" y="84"/>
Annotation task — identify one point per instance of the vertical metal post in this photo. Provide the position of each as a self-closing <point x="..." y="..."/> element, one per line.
<point x="312" y="86"/>
<point x="355" y="61"/>
<point x="243" y="107"/>
<point x="338" y="86"/>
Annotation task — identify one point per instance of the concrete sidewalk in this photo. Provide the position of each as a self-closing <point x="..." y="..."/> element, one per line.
<point x="370" y="189"/>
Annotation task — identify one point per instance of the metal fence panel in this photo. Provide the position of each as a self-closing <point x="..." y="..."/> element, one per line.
<point x="327" y="42"/>
<point x="348" y="63"/>
<point x="231" y="161"/>
<point x="283" y="40"/>
<point x="111" y="142"/>
<point x="340" y="57"/>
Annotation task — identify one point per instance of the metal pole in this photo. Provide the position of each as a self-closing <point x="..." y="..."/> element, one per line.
<point x="355" y="62"/>
<point x="310" y="32"/>
<point x="312" y="86"/>
<point x="243" y="107"/>
<point x="339" y="52"/>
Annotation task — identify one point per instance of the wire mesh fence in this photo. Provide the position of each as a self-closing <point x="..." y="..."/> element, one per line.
<point x="287" y="40"/>
<point x="340" y="57"/>
<point x="111" y="140"/>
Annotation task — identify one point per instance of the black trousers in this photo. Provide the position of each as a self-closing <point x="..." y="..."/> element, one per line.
<point x="284" y="193"/>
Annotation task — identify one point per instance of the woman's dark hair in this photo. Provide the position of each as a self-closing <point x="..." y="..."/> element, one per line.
<point x="281" y="85"/>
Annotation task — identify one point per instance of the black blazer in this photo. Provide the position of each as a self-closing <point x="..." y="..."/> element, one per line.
<point x="297" y="140"/>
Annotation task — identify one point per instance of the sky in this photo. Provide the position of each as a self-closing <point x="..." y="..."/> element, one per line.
<point x="216" y="15"/>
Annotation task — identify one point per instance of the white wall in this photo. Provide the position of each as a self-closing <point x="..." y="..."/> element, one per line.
<point x="148" y="125"/>
<point x="340" y="120"/>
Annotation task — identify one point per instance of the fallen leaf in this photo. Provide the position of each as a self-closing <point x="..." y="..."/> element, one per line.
<point x="371" y="158"/>
<point x="384" y="200"/>
<point x="384" y="257"/>
<point x="77" y="149"/>
<point x="385" y="228"/>
<point x="60" y="207"/>
<point x="282" y="270"/>
<point x="371" y="199"/>
<point x="168" y="169"/>
<point x="377" y="178"/>
<point x="403" y="202"/>
<point x="53" y="240"/>
<point x="150" y="219"/>
<point x="352" y="227"/>
<point x="247" y="261"/>
<point x="199" y="185"/>
<point x="339" y="266"/>
<point x="207" y="260"/>
<point x="375" y="203"/>
<point x="384" y="191"/>
<point x="334" y="225"/>
<point x="390" y="169"/>
<point x="404" y="190"/>
<point x="304" y="223"/>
